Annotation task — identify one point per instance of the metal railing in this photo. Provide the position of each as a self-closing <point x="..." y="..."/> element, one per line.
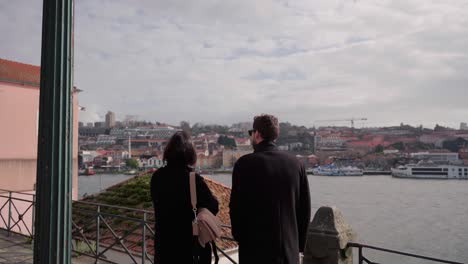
<point x="107" y="230"/>
<point x="100" y="230"/>
<point x="362" y="259"/>
<point x="103" y="229"/>
<point x="110" y="227"/>
<point x="17" y="212"/>
<point x="228" y="238"/>
<point x="106" y="233"/>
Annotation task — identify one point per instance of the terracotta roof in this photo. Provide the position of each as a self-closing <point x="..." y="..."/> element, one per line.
<point x="16" y="72"/>
<point x="223" y="194"/>
<point x="133" y="240"/>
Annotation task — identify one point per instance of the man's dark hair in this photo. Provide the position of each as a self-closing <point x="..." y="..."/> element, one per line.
<point x="180" y="150"/>
<point x="267" y="125"/>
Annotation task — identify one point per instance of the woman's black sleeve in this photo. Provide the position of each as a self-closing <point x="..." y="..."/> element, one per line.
<point x="205" y="197"/>
<point x="154" y="193"/>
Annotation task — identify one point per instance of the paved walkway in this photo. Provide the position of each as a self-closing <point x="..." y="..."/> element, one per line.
<point x="17" y="249"/>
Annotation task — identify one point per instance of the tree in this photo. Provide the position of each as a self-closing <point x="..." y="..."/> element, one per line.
<point x="441" y="128"/>
<point x="455" y="145"/>
<point x="284" y="129"/>
<point x="185" y="126"/>
<point x="132" y="163"/>
<point x="227" y="141"/>
<point x="379" y="149"/>
<point x="399" y="145"/>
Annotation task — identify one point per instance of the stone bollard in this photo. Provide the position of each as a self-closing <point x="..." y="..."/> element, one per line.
<point x="327" y="236"/>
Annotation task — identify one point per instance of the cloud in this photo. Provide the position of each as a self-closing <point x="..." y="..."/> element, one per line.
<point x="389" y="61"/>
<point x="290" y="74"/>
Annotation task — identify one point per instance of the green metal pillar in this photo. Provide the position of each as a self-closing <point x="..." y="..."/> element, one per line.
<point x="52" y="241"/>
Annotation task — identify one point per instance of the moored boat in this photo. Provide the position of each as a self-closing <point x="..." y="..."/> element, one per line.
<point x="88" y="171"/>
<point x="431" y="171"/>
<point x="131" y="172"/>
<point x="333" y="170"/>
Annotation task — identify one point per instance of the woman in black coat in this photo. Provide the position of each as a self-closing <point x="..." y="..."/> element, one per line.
<point x="170" y="191"/>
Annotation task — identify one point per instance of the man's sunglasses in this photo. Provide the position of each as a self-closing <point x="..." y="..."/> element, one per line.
<point x="251" y="132"/>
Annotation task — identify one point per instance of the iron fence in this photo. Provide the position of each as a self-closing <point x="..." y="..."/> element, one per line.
<point x="120" y="229"/>
<point x="106" y="233"/>
<point x="228" y="238"/>
<point x="110" y="232"/>
<point x="17" y="212"/>
<point x="362" y="259"/>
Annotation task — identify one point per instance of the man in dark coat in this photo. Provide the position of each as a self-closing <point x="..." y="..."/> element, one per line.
<point x="270" y="200"/>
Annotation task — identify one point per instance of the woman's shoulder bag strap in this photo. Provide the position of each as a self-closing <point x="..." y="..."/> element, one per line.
<point x="193" y="200"/>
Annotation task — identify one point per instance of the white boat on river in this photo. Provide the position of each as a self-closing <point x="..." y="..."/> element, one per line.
<point x="333" y="170"/>
<point x="431" y="171"/>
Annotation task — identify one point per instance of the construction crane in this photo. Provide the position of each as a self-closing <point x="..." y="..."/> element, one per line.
<point x="342" y="120"/>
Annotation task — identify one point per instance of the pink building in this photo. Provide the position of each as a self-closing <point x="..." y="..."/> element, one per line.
<point x="370" y="142"/>
<point x="19" y="119"/>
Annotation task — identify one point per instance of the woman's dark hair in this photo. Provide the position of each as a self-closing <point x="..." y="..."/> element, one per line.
<point x="180" y="150"/>
<point x="267" y="125"/>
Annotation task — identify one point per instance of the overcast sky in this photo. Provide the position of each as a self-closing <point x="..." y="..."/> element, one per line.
<point x="227" y="60"/>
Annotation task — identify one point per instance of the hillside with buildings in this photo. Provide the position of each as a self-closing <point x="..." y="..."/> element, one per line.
<point x="109" y="145"/>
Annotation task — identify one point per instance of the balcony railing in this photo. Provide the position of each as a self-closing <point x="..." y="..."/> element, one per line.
<point x="104" y="228"/>
<point x="362" y="259"/>
<point x="17" y="212"/>
<point x="111" y="233"/>
<point x="106" y="233"/>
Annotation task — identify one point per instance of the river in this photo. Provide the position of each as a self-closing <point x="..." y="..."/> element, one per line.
<point x="427" y="217"/>
<point x="93" y="184"/>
